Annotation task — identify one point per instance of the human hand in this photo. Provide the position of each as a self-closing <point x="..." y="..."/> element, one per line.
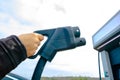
<point x="31" y="41"/>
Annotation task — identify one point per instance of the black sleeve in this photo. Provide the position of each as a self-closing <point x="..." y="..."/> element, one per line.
<point x="12" y="52"/>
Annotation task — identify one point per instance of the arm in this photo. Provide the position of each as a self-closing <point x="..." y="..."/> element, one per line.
<point x="15" y="49"/>
<point x="12" y="52"/>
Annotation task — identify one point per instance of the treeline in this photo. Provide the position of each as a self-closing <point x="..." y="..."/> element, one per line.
<point x="69" y="78"/>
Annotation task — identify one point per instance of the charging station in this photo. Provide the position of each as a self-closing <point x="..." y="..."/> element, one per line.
<point x="107" y="42"/>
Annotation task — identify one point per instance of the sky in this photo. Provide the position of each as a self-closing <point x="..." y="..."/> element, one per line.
<point x="25" y="16"/>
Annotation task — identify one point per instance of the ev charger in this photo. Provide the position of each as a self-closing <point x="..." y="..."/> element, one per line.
<point x="105" y="34"/>
<point x="107" y="42"/>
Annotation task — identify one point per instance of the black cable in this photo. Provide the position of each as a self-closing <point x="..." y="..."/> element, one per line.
<point x="99" y="66"/>
<point x="39" y="69"/>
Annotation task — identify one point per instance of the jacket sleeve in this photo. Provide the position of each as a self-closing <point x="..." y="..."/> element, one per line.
<point x="12" y="53"/>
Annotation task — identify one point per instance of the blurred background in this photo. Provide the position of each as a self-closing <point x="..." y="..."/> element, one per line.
<point x="24" y="16"/>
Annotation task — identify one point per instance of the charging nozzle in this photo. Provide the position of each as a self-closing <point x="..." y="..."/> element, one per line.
<point x="76" y="35"/>
<point x="59" y="39"/>
<point x="76" y="32"/>
<point x="80" y="42"/>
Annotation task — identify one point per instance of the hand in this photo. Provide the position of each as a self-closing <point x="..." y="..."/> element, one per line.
<point x="31" y="41"/>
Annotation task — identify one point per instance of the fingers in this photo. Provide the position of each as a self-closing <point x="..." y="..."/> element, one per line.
<point x="36" y="44"/>
<point x="31" y="41"/>
<point x="39" y="38"/>
<point x="32" y="50"/>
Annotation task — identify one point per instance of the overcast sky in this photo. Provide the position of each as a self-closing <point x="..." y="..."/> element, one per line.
<point x="23" y="16"/>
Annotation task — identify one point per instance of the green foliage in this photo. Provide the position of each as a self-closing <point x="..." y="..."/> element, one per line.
<point x="79" y="78"/>
<point x="46" y="78"/>
<point x="69" y="78"/>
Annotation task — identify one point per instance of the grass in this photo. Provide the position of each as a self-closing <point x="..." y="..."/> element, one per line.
<point x="69" y="78"/>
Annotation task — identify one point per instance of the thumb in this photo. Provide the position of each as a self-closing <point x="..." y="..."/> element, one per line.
<point x="39" y="36"/>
